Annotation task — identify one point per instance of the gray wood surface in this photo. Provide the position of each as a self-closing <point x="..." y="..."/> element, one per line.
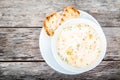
<point x="19" y="44"/>
<point x="22" y="44"/>
<point x="40" y="70"/>
<point x="30" y="13"/>
<point x="20" y="25"/>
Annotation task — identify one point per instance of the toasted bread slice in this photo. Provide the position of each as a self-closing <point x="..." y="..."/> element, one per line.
<point x="55" y="19"/>
<point x="69" y="13"/>
<point x="50" y="23"/>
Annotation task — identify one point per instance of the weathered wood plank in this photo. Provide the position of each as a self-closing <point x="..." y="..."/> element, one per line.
<point x="19" y="44"/>
<point x="107" y="12"/>
<point x="30" y="13"/>
<point x="113" y="43"/>
<point x="22" y="44"/>
<point x="107" y="70"/>
<point x="27" y="12"/>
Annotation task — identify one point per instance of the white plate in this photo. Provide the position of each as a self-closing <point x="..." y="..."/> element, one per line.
<point x="45" y="46"/>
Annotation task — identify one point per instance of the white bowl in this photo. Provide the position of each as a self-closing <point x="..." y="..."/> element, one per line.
<point x="103" y="42"/>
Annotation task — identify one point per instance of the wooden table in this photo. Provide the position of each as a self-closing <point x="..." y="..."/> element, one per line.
<point x="20" y="25"/>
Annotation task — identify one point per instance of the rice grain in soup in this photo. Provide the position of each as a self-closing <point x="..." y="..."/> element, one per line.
<point x="78" y="45"/>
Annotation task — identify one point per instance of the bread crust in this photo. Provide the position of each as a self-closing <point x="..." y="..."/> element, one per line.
<point x="50" y="23"/>
<point x="55" y="19"/>
<point x="69" y="13"/>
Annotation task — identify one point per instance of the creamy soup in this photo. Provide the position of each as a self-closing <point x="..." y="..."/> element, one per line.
<point x="78" y="45"/>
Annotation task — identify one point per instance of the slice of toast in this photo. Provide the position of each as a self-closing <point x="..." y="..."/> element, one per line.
<point x="50" y="23"/>
<point x="69" y="13"/>
<point x="55" y="19"/>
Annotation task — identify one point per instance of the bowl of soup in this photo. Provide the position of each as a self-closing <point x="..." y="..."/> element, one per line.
<point x="79" y="45"/>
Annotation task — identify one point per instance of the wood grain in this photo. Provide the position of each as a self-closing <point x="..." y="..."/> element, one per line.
<point x="22" y="44"/>
<point x="107" y="12"/>
<point x="40" y="70"/>
<point x="20" y="26"/>
<point x="19" y="44"/>
<point x="30" y="13"/>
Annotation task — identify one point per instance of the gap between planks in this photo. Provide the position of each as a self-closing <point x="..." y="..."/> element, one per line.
<point x="20" y="27"/>
<point x="38" y="60"/>
<point x="22" y="61"/>
<point x="41" y="27"/>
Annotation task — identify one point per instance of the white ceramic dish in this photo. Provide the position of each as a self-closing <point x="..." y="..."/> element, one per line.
<point x="76" y="21"/>
<point x="45" y="47"/>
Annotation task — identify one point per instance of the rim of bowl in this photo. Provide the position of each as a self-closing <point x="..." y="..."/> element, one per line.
<point x="100" y="33"/>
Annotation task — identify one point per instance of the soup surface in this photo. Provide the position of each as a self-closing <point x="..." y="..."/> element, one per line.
<point x="78" y="45"/>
